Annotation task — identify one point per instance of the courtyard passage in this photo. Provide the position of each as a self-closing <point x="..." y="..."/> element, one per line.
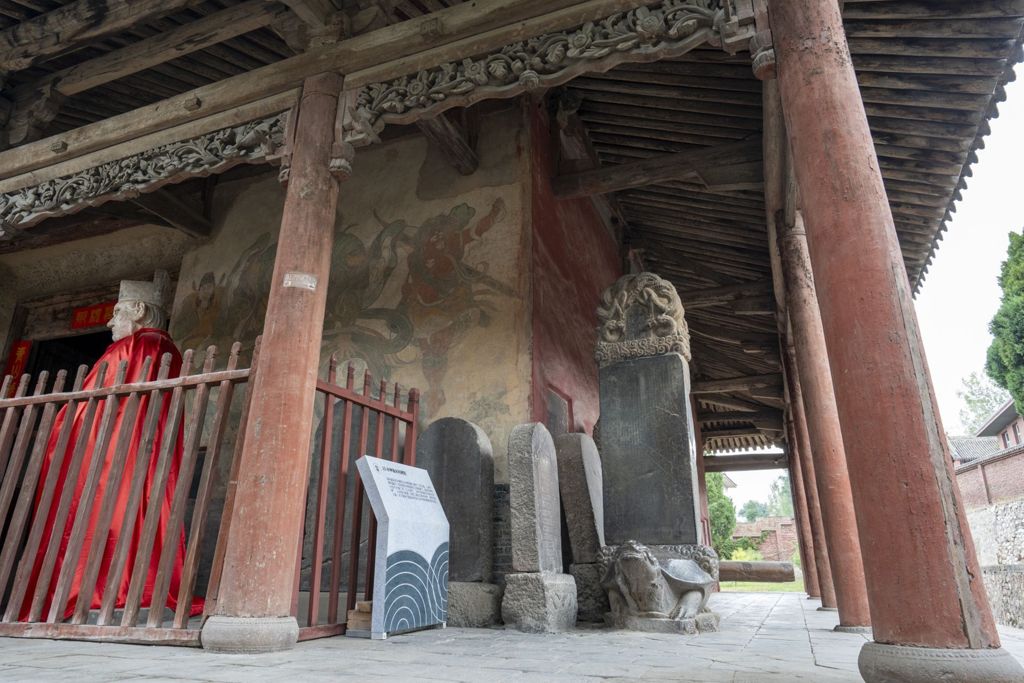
<point x="764" y="637"/>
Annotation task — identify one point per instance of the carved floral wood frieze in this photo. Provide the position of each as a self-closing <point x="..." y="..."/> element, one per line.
<point x="640" y="316"/>
<point x="666" y="29"/>
<point x="128" y="177"/>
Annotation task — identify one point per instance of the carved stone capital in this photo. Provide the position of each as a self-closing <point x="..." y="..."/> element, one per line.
<point x="128" y="177"/>
<point x="666" y="29"/>
<point x="640" y="316"/>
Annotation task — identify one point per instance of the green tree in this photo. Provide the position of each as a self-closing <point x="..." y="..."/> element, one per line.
<point x="723" y="518"/>
<point x="754" y="509"/>
<point x="780" y="500"/>
<point x="980" y="398"/>
<point x="1005" y="362"/>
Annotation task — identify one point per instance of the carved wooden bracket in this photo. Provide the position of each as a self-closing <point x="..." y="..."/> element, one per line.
<point x="644" y="34"/>
<point x="131" y="176"/>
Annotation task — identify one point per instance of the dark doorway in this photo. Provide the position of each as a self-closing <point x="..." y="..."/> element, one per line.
<point x="66" y="353"/>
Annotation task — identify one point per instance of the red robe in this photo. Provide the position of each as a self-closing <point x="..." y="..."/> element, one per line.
<point x="145" y="343"/>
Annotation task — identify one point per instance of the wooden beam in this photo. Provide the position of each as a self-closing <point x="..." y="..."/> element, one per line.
<point x="767" y="416"/>
<point x="316" y="13"/>
<point x="745" y="462"/>
<point x="713" y="295"/>
<point x="465" y="30"/>
<point x="765" y="572"/>
<point x="454" y="139"/>
<point x="163" y="47"/>
<point x="29" y="117"/>
<point x="721" y="386"/>
<point x="656" y="169"/>
<point x="174" y="211"/>
<point x="72" y="25"/>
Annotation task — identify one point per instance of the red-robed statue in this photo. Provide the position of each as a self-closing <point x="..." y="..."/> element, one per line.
<point x="139" y="317"/>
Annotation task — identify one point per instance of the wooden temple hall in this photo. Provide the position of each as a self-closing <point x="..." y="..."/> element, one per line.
<point x="356" y="217"/>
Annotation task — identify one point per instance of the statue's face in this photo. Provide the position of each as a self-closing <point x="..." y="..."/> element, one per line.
<point x="127" y="315"/>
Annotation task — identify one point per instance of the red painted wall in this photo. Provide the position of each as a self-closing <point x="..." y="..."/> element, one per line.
<point x="574" y="258"/>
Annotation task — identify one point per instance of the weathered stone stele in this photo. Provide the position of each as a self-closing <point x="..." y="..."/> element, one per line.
<point x="538" y="597"/>
<point x="458" y="456"/>
<point x="533" y="491"/>
<point x="579" y="482"/>
<point x="648" y="452"/>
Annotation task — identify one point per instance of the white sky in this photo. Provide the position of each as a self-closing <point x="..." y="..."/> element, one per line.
<point x="960" y="293"/>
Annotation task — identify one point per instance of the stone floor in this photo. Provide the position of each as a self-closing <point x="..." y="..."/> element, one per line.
<point x="765" y="637"/>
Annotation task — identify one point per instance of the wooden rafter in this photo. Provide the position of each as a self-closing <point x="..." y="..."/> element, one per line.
<point x="29" y="117"/>
<point x="722" y="386"/>
<point x="657" y="169"/>
<point x="73" y="25"/>
<point x="449" y="35"/>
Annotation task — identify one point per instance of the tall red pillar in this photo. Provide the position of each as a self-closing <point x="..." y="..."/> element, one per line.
<point x="822" y="560"/>
<point x="830" y="470"/>
<point x="253" y="610"/>
<point x="930" y="615"/>
<point x="803" y="524"/>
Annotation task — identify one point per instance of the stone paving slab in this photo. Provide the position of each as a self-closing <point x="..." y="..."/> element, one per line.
<point x="765" y="637"/>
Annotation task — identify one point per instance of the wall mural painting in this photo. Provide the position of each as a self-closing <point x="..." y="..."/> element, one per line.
<point x="407" y="295"/>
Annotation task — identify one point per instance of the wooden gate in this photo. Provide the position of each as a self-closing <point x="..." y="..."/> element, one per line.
<point x="36" y="444"/>
<point x="384" y="430"/>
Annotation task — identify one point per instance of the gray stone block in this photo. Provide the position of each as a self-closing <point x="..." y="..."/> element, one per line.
<point x="473" y="605"/>
<point x="591" y="597"/>
<point x="533" y="493"/>
<point x="648" y="452"/>
<point x="579" y="482"/>
<point x="249" y="635"/>
<point x="458" y="456"/>
<point x="882" y="663"/>
<point x="539" y="602"/>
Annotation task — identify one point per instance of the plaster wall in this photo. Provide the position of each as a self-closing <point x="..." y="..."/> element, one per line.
<point x="429" y="280"/>
<point x="574" y="257"/>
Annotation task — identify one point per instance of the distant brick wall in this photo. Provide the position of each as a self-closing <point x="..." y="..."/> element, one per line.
<point x="780" y="541"/>
<point x="1005" y="478"/>
<point x="972" y="488"/>
<point x="994" y="479"/>
<point x="993" y="494"/>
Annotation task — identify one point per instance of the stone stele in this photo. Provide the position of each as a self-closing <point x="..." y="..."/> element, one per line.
<point x="533" y="493"/>
<point x="579" y="482"/>
<point x="666" y="594"/>
<point x="539" y="602"/>
<point x="648" y="452"/>
<point x="458" y="456"/>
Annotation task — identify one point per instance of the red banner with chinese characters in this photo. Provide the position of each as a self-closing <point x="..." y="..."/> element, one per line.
<point x="92" y="316"/>
<point x="16" y="363"/>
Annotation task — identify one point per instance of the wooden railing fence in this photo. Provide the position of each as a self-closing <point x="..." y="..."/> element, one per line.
<point x="385" y="430"/>
<point x="32" y="457"/>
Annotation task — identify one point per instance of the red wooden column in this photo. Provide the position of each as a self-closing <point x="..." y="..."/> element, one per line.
<point x="831" y="475"/>
<point x="803" y="448"/>
<point x="803" y="523"/>
<point x="930" y="615"/>
<point x="253" y="611"/>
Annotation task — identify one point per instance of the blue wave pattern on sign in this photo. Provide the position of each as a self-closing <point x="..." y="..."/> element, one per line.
<point x="416" y="591"/>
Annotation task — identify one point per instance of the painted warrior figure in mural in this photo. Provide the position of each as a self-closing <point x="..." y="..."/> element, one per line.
<point x="439" y="295"/>
<point x="138" y="337"/>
